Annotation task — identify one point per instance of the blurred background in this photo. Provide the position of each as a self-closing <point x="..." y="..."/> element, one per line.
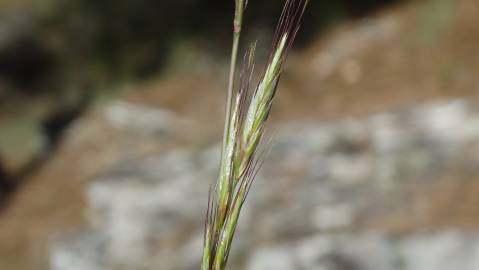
<point x="111" y="114"/>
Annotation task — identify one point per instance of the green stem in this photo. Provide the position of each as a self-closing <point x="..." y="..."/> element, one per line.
<point x="224" y="186"/>
<point x="237" y="24"/>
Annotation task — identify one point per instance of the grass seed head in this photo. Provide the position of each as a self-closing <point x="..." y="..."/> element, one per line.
<point x="247" y="114"/>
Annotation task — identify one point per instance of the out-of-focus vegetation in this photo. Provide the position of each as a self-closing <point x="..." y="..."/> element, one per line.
<point x="56" y="56"/>
<point x="126" y="38"/>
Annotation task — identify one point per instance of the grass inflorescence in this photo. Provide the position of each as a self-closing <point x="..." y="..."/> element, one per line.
<point x="247" y="111"/>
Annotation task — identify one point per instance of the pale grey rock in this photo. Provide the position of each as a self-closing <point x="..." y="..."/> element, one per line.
<point x="437" y="251"/>
<point x="275" y="258"/>
<point x="140" y="119"/>
<point x="136" y="212"/>
<point x="441" y="252"/>
<point x="333" y="216"/>
<point x="82" y="250"/>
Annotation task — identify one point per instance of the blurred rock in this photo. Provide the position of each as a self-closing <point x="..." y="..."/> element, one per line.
<point x="129" y="117"/>
<point x="439" y="251"/>
<point x="84" y="252"/>
<point x="321" y="181"/>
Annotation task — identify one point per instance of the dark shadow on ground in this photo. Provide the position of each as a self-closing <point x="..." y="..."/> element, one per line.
<point x="53" y="128"/>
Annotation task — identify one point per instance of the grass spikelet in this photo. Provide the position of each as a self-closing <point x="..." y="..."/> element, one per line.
<point x="246" y="116"/>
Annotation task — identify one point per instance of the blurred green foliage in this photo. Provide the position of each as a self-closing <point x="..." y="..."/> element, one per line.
<point x="56" y="53"/>
<point x="434" y="18"/>
<point x="118" y="38"/>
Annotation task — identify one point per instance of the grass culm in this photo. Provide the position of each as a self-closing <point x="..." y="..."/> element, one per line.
<point x="247" y="112"/>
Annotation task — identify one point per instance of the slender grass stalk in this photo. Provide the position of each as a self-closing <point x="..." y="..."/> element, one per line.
<point x="224" y="186"/>
<point x="246" y="116"/>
